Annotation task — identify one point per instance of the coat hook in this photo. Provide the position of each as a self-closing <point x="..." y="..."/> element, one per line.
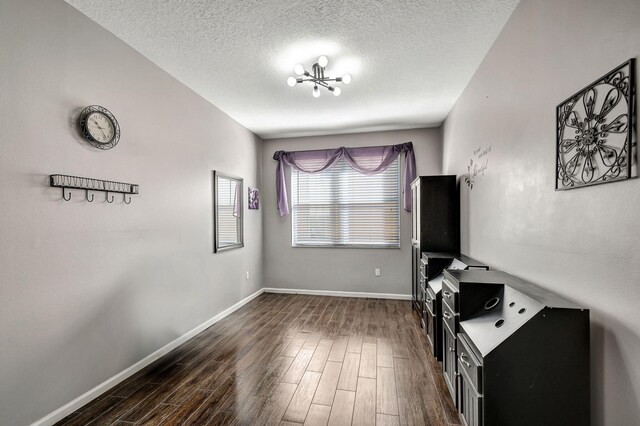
<point x="124" y="197"/>
<point x="112" y="197"/>
<point x="65" y="198"/>
<point x="89" y="200"/>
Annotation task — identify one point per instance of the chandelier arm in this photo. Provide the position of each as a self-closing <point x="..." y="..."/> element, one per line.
<point x="315" y="81"/>
<point x="323" y="84"/>
<point x="318" y="78"/>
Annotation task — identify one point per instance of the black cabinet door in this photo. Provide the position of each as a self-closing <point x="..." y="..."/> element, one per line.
<point x="449" y="362"/>
<point x="416" y="292"/>
<point x="430" y="320"/>
<point x="470" y="402"/>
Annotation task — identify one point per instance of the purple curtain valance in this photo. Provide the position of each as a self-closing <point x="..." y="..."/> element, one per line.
<point x="360" y="159"/>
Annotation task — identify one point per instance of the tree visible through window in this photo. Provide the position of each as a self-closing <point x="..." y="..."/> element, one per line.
<point x="340" y="207"/>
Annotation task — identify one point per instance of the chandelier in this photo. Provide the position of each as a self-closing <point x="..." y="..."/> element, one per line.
<point x="317" y="77"/>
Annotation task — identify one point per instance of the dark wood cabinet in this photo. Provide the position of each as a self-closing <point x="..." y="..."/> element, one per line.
<point x="512" y="353"/>
<point x="436" y="263"/>
<point x="434" y="227"/>
<point x="517" y="354"/>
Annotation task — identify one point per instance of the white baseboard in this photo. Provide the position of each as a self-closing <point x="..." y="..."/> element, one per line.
<point x="72" y="406"/>
<point x="338" y="293"/>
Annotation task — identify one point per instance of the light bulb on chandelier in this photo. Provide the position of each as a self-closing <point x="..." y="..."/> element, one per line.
<point x="317" y="77"/>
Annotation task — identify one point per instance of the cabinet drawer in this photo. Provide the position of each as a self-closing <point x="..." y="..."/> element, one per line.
<point x="430" y="300"/>
<point x="449" y="295"/>
<point x="424" y="295"/>
<point x="469" y="363"/>
<point x="449" y="318"/>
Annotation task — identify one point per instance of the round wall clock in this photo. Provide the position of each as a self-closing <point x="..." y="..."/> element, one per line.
<point x="99" y="127"/>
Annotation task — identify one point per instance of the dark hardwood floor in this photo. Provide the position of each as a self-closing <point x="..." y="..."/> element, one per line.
<point x="289" y="360"/>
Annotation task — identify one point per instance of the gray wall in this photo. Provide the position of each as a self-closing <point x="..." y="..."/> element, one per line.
<point x="88" y="289"/>
<point x="581" y="243"/>
<point x="337" y="269"/>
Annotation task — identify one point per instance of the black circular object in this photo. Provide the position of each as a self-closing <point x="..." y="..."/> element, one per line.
<point x="99" y="127"/>
<point x="491" y="303"/>
<point x="512" y="304"/>
<point x="499" y="323"/>
<point x="522" y="311"/>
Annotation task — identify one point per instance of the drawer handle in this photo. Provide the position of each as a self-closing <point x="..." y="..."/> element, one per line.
<point x="452" y="349"/>
<point x="447" y="315"/>
<point x="428" y="300"/>
<point x="446" y="294"/>
<point x="463" y="359"/>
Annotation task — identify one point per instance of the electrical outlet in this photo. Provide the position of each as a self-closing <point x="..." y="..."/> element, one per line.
<point x="377" y="271"/>
<point x="247" y="274"/>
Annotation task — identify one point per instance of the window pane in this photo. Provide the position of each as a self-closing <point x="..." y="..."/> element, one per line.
<point x="341" y="207"/>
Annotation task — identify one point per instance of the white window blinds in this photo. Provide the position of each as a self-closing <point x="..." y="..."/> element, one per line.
<point x="340" y="207"/>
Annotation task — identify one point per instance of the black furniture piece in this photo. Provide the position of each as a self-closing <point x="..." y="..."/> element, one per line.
<point x="516" y="354"/>
<point x="434" y="265"/>
<point x="435" y="225"/>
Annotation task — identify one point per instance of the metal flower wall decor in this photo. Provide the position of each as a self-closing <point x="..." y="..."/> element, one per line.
<point x="596" y="132"/>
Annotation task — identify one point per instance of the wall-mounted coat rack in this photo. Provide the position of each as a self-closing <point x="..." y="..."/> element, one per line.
<point x="67" y="182"/>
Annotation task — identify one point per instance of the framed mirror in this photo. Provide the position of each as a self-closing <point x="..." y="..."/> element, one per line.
<point x="227" y="212"/>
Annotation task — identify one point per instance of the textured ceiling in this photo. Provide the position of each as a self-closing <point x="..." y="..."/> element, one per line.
<point x="410" y="59"/>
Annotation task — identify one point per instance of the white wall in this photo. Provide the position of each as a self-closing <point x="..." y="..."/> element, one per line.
<point x="581" y="243"/>
<point x="338" y="269"/>
<point x="88" y="289"/>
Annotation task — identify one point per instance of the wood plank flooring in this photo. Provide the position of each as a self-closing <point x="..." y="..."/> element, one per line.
<point x="289" y="360"/>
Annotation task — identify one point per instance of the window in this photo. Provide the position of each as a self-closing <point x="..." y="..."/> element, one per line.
<point x="340" y="207"/>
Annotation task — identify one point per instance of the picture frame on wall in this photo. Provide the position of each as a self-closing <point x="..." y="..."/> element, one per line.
<point x="254" y="198"/>
<point x="595" y="132"/>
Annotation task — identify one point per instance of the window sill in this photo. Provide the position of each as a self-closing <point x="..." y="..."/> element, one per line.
<point x="345" y="246"/>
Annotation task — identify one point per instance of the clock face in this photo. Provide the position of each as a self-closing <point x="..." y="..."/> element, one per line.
<point x="99" y="127"/>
